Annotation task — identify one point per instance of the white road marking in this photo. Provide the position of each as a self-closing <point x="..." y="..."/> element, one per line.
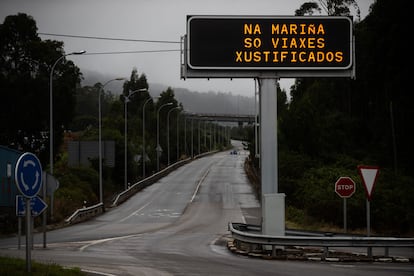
<point x="199" y="184"/>
<point x="136" y="212"/>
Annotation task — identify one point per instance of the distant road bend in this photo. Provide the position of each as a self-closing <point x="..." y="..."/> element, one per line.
<point x="178" y="226"/>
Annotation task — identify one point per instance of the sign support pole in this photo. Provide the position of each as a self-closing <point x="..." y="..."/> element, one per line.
<point x="369" y="251"/>
<point x="44" y="218"/>
<point x="273" y="203"/>
<point x="28" y="236"/>
<point x="268" y="137"/>
<point x="19" y="232"/>
<point x="345" y="224"/>
<point x="369" y="176"/>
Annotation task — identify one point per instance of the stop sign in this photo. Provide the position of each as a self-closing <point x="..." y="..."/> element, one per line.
<point x="345" y="187"/>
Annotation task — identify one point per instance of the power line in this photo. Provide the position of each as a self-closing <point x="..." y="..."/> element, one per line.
<point x="111" y="38"/>
<point x="132" y="52"/>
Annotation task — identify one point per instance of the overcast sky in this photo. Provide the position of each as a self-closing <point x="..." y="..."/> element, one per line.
<point x="142" y="20"/>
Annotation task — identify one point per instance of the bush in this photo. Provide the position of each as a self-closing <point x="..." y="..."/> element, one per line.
<point x="77" y="185"/>
<point x="311" y="198"/>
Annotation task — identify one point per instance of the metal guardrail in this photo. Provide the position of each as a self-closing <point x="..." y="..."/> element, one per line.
<point x="121" y="197"/>
<point x="249" y="234"/>
<point x="337" y="241"/>
<point x="85" y="213"/>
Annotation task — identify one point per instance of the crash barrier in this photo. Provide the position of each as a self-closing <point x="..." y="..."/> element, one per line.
<point x="85" y="213"/>
<point x="132" y="190"/>
<point x="249" y="234"/>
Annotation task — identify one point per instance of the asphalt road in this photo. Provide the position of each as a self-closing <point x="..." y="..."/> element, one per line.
<point x="178" y="226"/>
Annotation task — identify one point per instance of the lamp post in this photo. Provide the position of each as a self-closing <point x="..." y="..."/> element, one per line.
<point x="178" y="137"/>
<point x="126" y="101"/>
<point x="51" y="105"/>
<point x="168" y="133"/>
<point x="205" y="135"/>
<point x="158" y="149"/>
<point x="185" y="136"/>
<point x="192" y="138"/>
<point x="100" y="135"/>
<point x="211" y="136"/>
<point x="199" y="149"/>
<point x="143" y="137"/>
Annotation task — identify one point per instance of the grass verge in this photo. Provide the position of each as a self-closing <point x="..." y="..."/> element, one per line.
<point x="16" y="267"/>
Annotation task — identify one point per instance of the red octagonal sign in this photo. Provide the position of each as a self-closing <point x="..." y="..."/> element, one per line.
<point x="345" y="187"/>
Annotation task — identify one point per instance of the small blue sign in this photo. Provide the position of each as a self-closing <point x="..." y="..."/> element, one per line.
<point x="37" y="206"/>
<point x="20" y="206"/>
<point x="28" y="174"/>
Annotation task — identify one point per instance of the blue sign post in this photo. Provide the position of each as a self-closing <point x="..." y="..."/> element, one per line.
<point x="28" y="177"/>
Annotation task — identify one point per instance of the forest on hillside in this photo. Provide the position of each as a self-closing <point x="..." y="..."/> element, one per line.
<point x="332" y="125"/>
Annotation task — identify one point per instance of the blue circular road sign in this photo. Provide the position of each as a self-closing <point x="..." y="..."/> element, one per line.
<point x="28" y="174"/>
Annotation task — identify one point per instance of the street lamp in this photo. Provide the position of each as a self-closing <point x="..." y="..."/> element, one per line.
<point x="158" y="149"/>
<point x="143" y="137"/>
<point x="211" y="136"/>
<point x="168" y="133"/>
<point x="205" y="135"/>
<point x="51" y="105"/>
<point x="178" y="137"/>
<point x="185" y="135"/>
<point x="126" y="101"/>
<point x="199" y="149"/>
<point x="100" y="135"/>
<point x="192" y="138"/>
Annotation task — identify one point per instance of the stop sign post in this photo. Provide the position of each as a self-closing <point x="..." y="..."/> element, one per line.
<point x="345" y="188"/>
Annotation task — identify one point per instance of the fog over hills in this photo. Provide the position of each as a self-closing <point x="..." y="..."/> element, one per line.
<point x="193" y="101"/>
<point x="208" y="102"/>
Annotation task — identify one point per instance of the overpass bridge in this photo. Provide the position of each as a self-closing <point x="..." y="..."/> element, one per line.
<point x="238" y="118"/>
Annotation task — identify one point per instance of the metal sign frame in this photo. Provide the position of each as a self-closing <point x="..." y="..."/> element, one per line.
<point x="189" y="70"/>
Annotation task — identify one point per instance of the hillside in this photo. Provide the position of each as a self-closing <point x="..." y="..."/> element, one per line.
<point x="193" y="101"/>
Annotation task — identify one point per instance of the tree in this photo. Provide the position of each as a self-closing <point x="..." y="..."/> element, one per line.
<point x="331" y="7"/>
<point x="86" y="110"/>
<point x="166" y="97"/>
<point x="135" y="83"/>
<point x="308" y="8"/>
<point x="25" y="64"/>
